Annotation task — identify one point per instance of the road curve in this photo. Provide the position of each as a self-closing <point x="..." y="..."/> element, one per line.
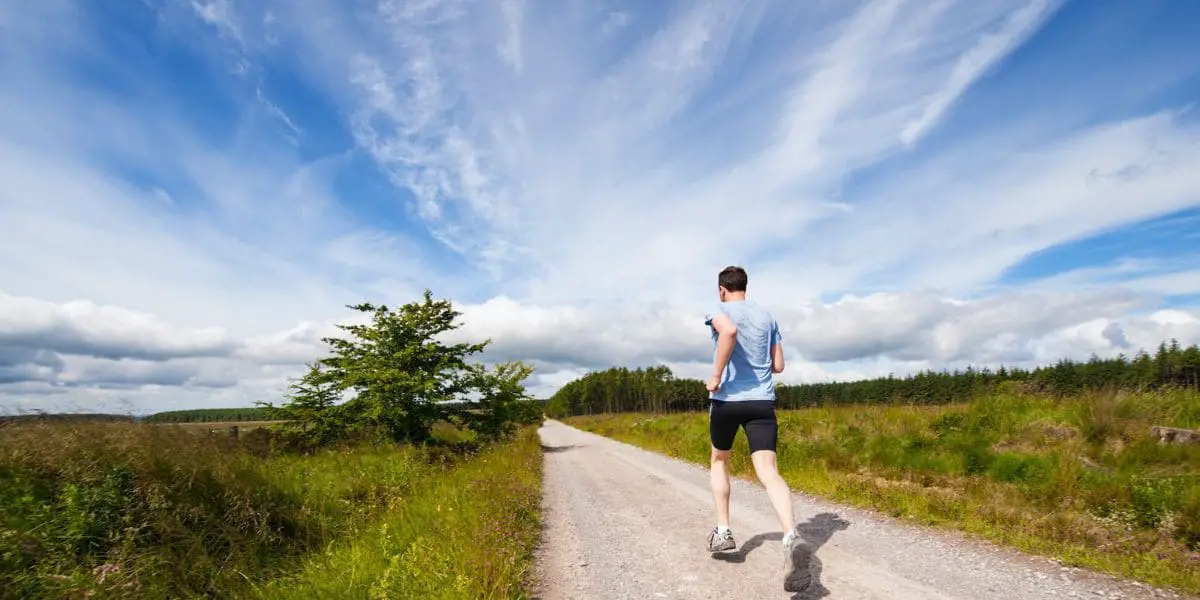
<point x="621" y="522"/>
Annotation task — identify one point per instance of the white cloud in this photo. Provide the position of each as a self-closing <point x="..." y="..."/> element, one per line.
<point x="537" y="177"/>
<point x="219" y="14"/>
<point x="957" y="222"/>
<point x="1177" y="283"/>
<point x="573" y="176"/>
<point x="850" y="338"/>
<point x="926" y="326"/>
<point x="975" y="62"/>
<point x="295" y="346"/>
<point x="595" y="336"/>
<point x="86" y="329"/>
<point x="510" y="51"/>
<point x="135" y="374"/>
<point x="615" y="20"/>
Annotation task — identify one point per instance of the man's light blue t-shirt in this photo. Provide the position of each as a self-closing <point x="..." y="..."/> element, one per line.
<point x="748" y="375"/>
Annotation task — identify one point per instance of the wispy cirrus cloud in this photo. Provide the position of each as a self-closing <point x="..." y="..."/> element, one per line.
<point x="972" y="64"/>
<point x="546" y="174"/>
<point x="574" y="174"/>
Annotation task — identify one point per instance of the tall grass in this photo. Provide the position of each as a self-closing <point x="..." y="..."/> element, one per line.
<point x="124" y="510"/>
<point x="468" y="534"/>
<point x="1080" y="479"/>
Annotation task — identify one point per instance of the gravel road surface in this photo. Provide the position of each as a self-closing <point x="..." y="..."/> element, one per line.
<point x="621" y="522"/>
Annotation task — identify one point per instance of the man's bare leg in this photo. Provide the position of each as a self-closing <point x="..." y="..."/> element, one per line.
<point x="720" y="539"/>
<point x="777" y="489"/>
<point x="796" y="575"/>
<point x="719" y="478"/>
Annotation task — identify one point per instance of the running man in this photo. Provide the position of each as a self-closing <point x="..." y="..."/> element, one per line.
<point x="747" y="353"/>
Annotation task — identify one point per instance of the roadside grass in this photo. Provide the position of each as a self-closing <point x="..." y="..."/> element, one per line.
<point x="468" y="533"/>
<point x="1080" y="480"/>
<point x="126" y="510"/>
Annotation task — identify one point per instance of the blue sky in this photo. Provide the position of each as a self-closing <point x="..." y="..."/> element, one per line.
<point x="1170" y="242"/>
<point x="196" y="188"/>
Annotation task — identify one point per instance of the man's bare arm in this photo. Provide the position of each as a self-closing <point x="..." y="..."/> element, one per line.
<point x="726" y="339"/>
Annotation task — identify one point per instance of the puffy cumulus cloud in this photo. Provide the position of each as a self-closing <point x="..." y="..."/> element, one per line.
<point x="845" y="339"/>
<point x="543" y="383"/>
<point x="135" y="398"/>
<point x="24" y="364"/>
<point x="927" y="326"/>
<point x="294" y="346"/>
<point x="86" y="371"/>
<point x="22" y="373"/>
<point x="76" y="348"/>
<point x="141" y="387"/>
<point x="1148" y="332"/>
<point x="593" y="336"/>
<point x="850" y="338"/>
<point x="86" y="329"/>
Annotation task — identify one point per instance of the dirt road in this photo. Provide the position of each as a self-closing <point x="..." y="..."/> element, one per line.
<point x="625" y="523"/>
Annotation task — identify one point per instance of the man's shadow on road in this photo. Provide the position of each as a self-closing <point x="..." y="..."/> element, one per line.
<point x="815" y="533"/>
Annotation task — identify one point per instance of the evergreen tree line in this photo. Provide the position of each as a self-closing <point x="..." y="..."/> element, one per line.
<point x="209" y="415"/>
<point x="656" y="389"/>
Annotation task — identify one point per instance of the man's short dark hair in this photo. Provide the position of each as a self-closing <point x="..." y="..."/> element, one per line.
<point x="733" y="279"/>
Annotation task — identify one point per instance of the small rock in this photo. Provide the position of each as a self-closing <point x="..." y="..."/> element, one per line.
<point x="1175" y="435"/>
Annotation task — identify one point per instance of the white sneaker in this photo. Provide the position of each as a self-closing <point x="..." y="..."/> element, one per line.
<point x="796" y="559"/>
<point x="720" y="542"/>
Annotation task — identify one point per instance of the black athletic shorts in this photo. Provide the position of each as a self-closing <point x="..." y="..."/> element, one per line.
<point x="757" y="417"/>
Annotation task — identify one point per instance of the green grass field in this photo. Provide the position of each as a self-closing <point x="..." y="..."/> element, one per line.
<point x="125" y="510"/>
<point x="1080" y="480"/>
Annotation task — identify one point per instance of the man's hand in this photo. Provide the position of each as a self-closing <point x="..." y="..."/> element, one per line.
<point x="714" y="383"/>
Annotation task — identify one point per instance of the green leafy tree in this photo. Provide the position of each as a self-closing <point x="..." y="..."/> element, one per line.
<point x="501" y="403"/>
<point x="399" y="371"/>
<point x="313" y="412"/>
